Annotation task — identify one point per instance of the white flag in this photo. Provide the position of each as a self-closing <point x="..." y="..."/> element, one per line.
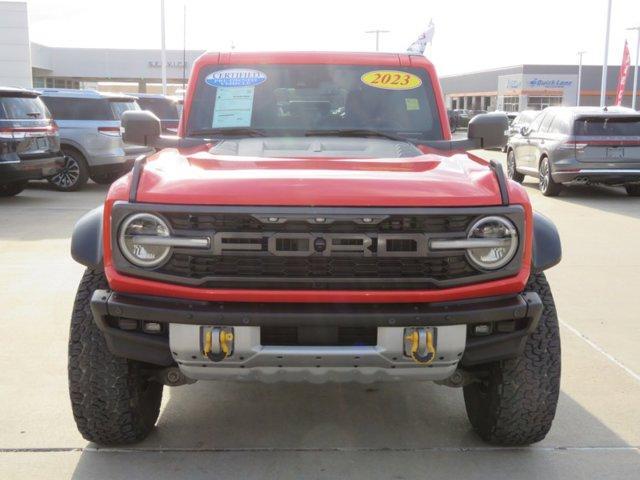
<point x="425" y="38"/>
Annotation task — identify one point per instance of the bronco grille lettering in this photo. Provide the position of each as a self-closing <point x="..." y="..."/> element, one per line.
<point x="284" y="244"/>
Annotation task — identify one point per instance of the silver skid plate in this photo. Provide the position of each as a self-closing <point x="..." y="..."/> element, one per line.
<point x="252" y="361"/>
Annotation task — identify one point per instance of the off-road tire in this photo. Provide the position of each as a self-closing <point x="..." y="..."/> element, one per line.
<point x="74" y="174"/>
<point x="512" y="172"/>
<point x="515" y="402"/>
<point x="12" y="189"/>
<point x="113" y="401"/>
<point x="548" y="187"/>
<point x="105" y="178"/>
<point x="633" y="190"/>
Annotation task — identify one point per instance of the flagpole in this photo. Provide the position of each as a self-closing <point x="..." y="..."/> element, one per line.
<point x="377" y="34"/>
<point x="580" y="53"/>
<point x="163" y="52"/>
<point x="635" y="69"/>
<point x="603" y="88"/>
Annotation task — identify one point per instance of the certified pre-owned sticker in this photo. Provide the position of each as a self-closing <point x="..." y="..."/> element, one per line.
<point x="235" y="77"/>
<point x="391" y="80"/>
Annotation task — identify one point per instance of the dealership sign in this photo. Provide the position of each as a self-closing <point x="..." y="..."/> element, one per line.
<point x="170" y="64"/>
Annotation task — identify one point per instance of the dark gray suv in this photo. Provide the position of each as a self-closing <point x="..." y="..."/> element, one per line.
<point x="578" y="144"/>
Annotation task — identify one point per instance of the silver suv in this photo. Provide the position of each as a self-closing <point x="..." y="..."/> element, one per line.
<point x="578" y="144"/>
<point x="89" y="123"/>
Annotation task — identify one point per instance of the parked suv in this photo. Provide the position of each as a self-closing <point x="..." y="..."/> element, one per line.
<point x="29" y="142"/>
<point x="167" y="109"/>
<point x="89" y="123"/>
<point x="314" y="221"/>
<point x="580" y="145"/>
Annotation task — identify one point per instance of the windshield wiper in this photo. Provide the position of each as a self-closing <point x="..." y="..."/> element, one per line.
<point x="234" y="131"/>
<point x="355" y="133"/>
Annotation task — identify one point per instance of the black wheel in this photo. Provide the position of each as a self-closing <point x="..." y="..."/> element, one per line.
<point x="106" y="178"/>
<point x="74" y="173"/>
<point x="11" y="189"/>
<point x="547" y="186"/>
<point x="112" y="399"/>
<point x="512" y="172"/>
<point x="515" y="401"/>
<point x="633" y="190"/>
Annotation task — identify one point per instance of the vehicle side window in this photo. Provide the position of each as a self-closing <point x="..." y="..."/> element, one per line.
<point x="79" y="108"/>
<point x="546" y="122"/>
<point x="559" y="125"/>
<point x="535" y="125"/>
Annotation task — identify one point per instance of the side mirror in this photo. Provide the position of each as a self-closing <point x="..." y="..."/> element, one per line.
<point x="524" y="131"/>
<point x="141" y="127"/>
<point x="489" y="130"/>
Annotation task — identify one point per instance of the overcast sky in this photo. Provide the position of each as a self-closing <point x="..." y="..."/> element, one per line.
<point x="470" y="34"/>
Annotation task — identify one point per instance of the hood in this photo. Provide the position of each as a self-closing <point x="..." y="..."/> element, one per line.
<point x="210" y="178"/>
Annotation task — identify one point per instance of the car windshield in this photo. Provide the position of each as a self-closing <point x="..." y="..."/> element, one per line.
<point x="608" y="126"/>
<point x="118" y="107"/>
<point x="294" y="100"/>
<point x="22" y="108"/>
<point x="163" y="108"/>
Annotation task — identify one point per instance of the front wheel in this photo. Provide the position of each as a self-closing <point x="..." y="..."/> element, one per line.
<point x="74" y="173"/>
<point x="547" y="186"/>
<point x="512" y="171"/>
<point x="114" y="401"/>
<point x="515" y="401"/>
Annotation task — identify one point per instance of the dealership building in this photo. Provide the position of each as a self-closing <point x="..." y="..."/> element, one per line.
<point x="531" y="87"/>
<point x="27" y="64"/>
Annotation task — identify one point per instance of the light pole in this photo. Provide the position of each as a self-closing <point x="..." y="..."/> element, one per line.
<point x="603" y="88"/>
<point x="635" y="69"/>
<point x="377" y="34"/>
<point x="580" y="53"/>
<point x="163" y="53"/>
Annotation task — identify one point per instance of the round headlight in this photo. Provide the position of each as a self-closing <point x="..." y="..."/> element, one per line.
<point x="137" y="240"/>
<point x="501" y="245"/>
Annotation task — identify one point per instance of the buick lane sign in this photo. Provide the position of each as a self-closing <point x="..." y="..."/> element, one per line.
<point x="235" y="77"/>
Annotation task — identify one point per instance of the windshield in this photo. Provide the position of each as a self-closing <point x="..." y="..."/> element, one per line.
<point x="163" y="108"/>
<point x="22" y="108"/>
<point x="119" y="107"/>
<point x="297" y="99"/>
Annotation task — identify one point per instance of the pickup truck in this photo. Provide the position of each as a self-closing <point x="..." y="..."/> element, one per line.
<point x="314" y="221"/>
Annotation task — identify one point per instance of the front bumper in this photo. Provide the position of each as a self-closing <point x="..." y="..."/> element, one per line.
<point x="30" y="169"/>
<point x="183" y="319"/>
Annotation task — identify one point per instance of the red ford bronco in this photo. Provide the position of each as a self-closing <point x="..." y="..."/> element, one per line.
<point x="314" y="221"/>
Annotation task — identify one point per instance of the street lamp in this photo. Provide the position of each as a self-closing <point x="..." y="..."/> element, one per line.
<point x="580" y="53"/>
<point x="377" y="34"/>
<point x="603" y="87"/>
<point x="635" y="69"/>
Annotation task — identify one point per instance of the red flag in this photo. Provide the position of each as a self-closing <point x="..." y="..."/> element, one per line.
<point x="622" y="76"/>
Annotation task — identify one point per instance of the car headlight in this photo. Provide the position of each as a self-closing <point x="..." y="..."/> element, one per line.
<point x="500" y="242"/>
<point x="140" y="240"/>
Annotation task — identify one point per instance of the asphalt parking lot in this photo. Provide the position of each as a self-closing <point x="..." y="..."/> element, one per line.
<point x="211" y="430"/>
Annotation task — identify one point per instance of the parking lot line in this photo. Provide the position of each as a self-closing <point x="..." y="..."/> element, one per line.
<point x="599" y="349"/>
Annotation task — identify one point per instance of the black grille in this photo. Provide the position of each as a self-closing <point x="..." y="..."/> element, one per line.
<point x="319" y="336"/>
<point x="394" y="223"/>
<point x="199" y="267"/>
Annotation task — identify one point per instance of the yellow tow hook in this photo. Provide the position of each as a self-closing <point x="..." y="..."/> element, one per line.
<point x="224" y="337"/>
<point x="414" y="346"/>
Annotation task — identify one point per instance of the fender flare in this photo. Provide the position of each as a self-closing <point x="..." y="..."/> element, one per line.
<point x="86" y="240"/>
<point x="547" y="248"/>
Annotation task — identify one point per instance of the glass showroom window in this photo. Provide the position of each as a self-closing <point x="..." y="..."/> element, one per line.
<point x="512" y="104"/>
<point x="540" y="103"/>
